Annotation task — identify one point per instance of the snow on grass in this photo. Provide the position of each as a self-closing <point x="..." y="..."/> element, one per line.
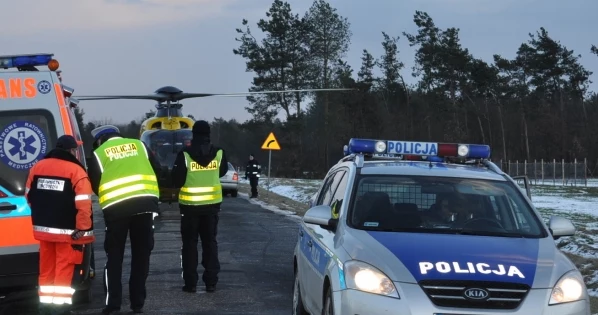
<point x="272" y="208"/>
<point x="300" y="190"/>
<point x="577" y="203"/>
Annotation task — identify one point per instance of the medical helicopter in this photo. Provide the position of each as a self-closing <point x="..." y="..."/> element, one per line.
<point x="169" y="130"/>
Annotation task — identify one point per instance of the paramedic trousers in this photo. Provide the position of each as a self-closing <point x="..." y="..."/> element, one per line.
<point x="142" y="244"/>
<point x="57" y="262"/>
<point x="206" y="227"/>
<point x="253" y="180"/>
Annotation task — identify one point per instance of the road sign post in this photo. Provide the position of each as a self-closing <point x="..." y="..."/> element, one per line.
<point x="270" y="144"/>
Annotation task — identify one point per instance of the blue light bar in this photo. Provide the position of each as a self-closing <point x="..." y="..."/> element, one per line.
<point x="405" y="149"/>
<point x="17" y="61"/>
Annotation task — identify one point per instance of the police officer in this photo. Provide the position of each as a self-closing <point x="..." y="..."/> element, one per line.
<point x="252" y="171"/>
<point x="59" y="193"/>
<point x="197" y="171"/>
<point x="123" y="175"/>
<point x="92" y="264"/>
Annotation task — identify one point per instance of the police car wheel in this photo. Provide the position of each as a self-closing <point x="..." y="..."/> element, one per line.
<point x="328" y="305"/>
<point x="298" y="308"/>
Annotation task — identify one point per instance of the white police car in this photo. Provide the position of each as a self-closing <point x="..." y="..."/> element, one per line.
<point x="430" y="229"/>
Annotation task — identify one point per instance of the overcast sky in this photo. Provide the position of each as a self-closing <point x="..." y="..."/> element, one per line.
<point x="137" y="46"/>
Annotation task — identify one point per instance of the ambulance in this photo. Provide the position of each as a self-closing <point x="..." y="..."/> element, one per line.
<point x="35" y="109"/>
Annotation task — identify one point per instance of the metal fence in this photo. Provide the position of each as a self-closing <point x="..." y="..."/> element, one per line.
<point x="549" y="172"/>
<point x="539" y="172"/>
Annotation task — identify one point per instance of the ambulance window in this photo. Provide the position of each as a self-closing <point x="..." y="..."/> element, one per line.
<point x="26" y="136"/>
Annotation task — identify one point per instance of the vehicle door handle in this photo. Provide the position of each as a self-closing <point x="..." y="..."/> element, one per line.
<point x="8" y="207"/>
<point x="310" y="243"/>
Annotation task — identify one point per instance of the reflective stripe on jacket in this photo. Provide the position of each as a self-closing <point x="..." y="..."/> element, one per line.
<point x="253" y="168"/>
<point x="59" y="194"/>
<point x="126" y="171"/>
<point x="202" y="186"/>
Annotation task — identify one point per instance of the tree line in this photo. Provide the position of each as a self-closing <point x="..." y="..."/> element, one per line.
<point x="536" y="105"/>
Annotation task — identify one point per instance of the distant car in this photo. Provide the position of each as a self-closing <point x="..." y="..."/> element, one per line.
<point x="422" y="228"/>
<point x="230" y="182"/>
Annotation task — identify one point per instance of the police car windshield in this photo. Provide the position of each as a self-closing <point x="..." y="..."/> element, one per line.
<point x="442" y="205"/>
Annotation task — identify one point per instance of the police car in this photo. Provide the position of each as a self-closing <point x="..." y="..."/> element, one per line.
<point x="423" y="228"/>
<point x="35" y="109"/>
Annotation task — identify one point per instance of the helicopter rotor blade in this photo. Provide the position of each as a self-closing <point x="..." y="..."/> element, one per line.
<point x="276" y="92"/>
<point x="175" y="97"/>
<point x="155" y="97"/>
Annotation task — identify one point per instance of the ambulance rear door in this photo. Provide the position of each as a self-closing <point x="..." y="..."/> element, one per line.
<point x="32" y="105"/>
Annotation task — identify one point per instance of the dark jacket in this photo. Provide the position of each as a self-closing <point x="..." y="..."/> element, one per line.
<point x="59" y="193"/>
<point x="202" y="152"/>
<point x="127" y="207"/>
<point x="253" y="168"/>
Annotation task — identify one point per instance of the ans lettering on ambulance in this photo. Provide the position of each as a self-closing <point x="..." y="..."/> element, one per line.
<point x="121" y="151"/>
<point x="17" y="88"/>
<point x="196" y="167"/>
<point x="469" y="267"/>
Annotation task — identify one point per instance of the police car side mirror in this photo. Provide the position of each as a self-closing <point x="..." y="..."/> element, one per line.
<point x="320" y="215"/>
<point x="560" y="227"/>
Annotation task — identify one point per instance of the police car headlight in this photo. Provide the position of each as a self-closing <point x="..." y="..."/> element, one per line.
<point x="363" y="277"/>
<point x="380" y="146"/>
<point x="569" y="288"/>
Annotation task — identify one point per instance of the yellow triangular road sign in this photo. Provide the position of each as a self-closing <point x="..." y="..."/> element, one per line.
<point x="271" y="143"/>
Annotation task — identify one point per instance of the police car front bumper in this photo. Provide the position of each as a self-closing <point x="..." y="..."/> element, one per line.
<point x="413" y="301"/>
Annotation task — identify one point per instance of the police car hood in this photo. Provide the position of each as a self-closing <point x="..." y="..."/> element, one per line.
<point x="412" y="257"/>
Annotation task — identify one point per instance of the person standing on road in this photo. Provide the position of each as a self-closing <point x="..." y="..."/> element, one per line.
<point x="92" y="263"/>
<point x="252" y="171"/>
<point x="196" y="172"/>
<point x="58" y="191"/>
<point x="123" y="175"/>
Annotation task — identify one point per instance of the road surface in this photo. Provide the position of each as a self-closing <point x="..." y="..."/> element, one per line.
<point x="256" y="252"/>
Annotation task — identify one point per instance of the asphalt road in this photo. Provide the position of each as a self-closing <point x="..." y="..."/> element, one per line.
<point x="256" y="252"/>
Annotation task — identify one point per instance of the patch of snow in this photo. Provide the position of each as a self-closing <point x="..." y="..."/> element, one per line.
<point x="578" y="204"/>
<point x="269" y="207"/>
<point x="592" y="279"/>
<point x="290" y="192"/>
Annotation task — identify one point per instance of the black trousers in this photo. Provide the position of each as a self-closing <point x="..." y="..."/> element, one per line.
<point x="142" y="244"/>
<point x="206" y="227"/>
<point x="253" y="180"/>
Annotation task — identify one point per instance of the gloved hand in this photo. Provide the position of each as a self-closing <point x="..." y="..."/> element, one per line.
<point x="77" y="234"/>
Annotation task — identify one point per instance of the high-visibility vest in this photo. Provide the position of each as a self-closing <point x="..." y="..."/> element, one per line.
<point x="126" y="171"/>
<point x="202" y="186"/>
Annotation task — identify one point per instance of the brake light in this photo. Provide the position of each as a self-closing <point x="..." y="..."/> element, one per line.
<point x="2" y="194"/>
<point x="235" y="176"/>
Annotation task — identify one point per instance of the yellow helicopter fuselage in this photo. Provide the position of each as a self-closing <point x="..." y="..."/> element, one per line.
<point x="166" y="123"/>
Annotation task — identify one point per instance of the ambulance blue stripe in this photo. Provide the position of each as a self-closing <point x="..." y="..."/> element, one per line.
<point x="435" y="252"/>
<point x="19" y="201"/>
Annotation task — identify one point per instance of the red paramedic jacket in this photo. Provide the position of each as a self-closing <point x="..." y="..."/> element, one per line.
<point x="59" y="194"/>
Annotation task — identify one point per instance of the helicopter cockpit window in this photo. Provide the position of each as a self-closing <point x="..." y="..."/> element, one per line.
<point x="166" y="144"/>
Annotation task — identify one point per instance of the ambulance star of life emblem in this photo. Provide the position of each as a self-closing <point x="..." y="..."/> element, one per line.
<point x="44" y="87"/>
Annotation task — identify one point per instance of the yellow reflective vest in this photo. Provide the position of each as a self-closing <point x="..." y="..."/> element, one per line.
<point x="202" y="185"/>
<point x="126" y="171"/>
